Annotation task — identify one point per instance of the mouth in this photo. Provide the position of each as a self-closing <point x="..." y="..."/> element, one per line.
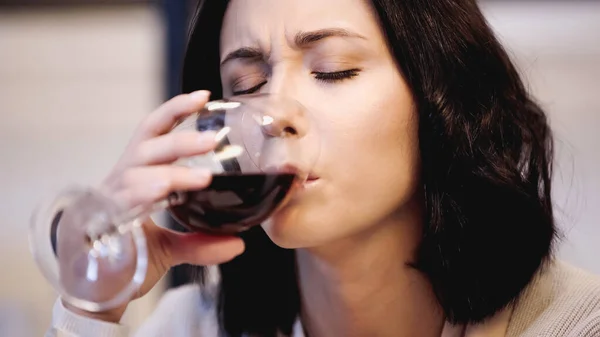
<point x="293" y="169"/>
<point x="311" y="178"/>
<point x="311" y="181"/>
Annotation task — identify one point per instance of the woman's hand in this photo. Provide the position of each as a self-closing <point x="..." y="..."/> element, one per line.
<point x="143" y="175"/>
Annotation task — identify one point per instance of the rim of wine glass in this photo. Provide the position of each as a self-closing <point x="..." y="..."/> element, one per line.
<point x="50" y="270"/>
<point x="232" y="102"/>
<point x="215" y="104"/>
<point x="244" y="99"/>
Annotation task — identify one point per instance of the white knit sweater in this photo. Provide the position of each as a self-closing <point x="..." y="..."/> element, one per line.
<point x="562" y="301"/>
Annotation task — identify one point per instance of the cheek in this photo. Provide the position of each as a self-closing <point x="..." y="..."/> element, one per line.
<point x="374" y="128"/>
<point x="372" y="151"/>
<point x="369" y="163"/>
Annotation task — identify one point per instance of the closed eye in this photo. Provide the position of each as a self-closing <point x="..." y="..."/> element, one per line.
<point x="250" y="90"/>
<point x="336" y="76"/>
<point x="328" y="77"/>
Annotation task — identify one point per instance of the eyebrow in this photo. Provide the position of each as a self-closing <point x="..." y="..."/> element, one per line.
<point x="243" y="53"/>
<point x="302" y="40"/>
<point x="305" y="39"/>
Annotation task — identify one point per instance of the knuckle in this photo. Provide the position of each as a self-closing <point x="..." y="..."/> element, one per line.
<point x="149" y="121"/>
<point x="186" y="144"/>
<point x="168" y="180"/>
<point x="172" y="143"/>
<point x="129" y="178"/>
<point x="142" y="152"/>
<point x="126" y="198"/>
<point x="181" y="145"/>
<point x="158" y="191"/>
<point x="148" y="125"/>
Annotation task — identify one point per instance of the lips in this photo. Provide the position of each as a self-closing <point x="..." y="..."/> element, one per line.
<point x="292" y="169"/>
<point x="287" y="168"/>
<point x="312" y="178"/>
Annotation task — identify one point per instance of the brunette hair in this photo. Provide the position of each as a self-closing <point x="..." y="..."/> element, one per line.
<point x="486" y="151"/>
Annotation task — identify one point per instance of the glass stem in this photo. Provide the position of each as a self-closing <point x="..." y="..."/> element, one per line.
<point x="126" y="221"/>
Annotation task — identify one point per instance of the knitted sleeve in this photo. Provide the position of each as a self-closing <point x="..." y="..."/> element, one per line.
<point x="182" y="312"/>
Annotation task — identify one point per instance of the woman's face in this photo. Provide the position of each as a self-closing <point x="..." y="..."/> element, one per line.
<point x="331" y="56"/>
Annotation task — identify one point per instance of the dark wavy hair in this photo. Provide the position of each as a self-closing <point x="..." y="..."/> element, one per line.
<point x="486" y="151"/>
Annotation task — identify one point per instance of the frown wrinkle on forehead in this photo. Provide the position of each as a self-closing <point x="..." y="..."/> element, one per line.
<point x="272" y="25"/>
<point x="302" y="40"/>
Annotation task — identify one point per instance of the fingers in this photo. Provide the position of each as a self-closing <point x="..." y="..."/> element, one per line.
<point x="172" y="146"/>
<point x="148" y="184"/>
<point x="144" y="149"/>
<point x="203" y="249"/>
<point x="163" y="119"/>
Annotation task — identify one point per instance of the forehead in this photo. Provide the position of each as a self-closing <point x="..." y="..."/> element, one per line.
<point x="256" y="21"/>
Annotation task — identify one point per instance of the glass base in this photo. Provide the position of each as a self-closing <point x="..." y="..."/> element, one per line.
<point x="92" y="261"/>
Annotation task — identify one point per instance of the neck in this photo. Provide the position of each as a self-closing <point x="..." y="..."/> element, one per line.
<point x="363" y="286"/>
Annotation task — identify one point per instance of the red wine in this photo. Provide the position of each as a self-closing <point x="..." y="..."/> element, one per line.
<point x="233" y="203"/>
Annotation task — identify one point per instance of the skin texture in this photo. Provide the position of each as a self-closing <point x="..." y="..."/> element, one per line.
<point x="369" y="162"/>
<point x="143" y="175"/>
<point x="357" y="226"/>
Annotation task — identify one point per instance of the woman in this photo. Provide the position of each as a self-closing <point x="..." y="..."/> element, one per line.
<point x="432" y="211"/>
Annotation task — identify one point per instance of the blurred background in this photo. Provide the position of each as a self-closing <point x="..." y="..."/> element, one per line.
<point x="76" y="76"/>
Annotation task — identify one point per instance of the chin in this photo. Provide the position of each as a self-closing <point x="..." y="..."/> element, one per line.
<point x="285" y="230"/>
<point x="295" y="228"/>
<point x="304" y="222"/>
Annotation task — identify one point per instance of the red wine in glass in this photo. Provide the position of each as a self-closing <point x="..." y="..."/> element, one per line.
<point x="234" y="202"/>
<point x="92" y="247"/>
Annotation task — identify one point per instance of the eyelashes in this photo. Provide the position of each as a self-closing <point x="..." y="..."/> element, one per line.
<point x="251" y="90"/>
<point x="326" y="77"/>
<point x="336" y="76"/>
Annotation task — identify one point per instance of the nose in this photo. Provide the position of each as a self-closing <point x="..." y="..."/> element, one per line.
<point x="281" y="116"/>
<point x="285" y="118"/>
<point x="279" y="128"/>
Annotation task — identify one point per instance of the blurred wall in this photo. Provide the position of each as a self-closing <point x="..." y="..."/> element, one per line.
<point x="74" y="83"/>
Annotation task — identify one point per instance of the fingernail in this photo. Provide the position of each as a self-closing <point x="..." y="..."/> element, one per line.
<point x="200" y="95"/>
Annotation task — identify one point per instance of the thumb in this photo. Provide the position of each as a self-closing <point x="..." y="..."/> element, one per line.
<point x="203" y="249"/>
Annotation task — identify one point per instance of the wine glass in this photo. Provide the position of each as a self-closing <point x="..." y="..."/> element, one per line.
<point x="92" y="248"/>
